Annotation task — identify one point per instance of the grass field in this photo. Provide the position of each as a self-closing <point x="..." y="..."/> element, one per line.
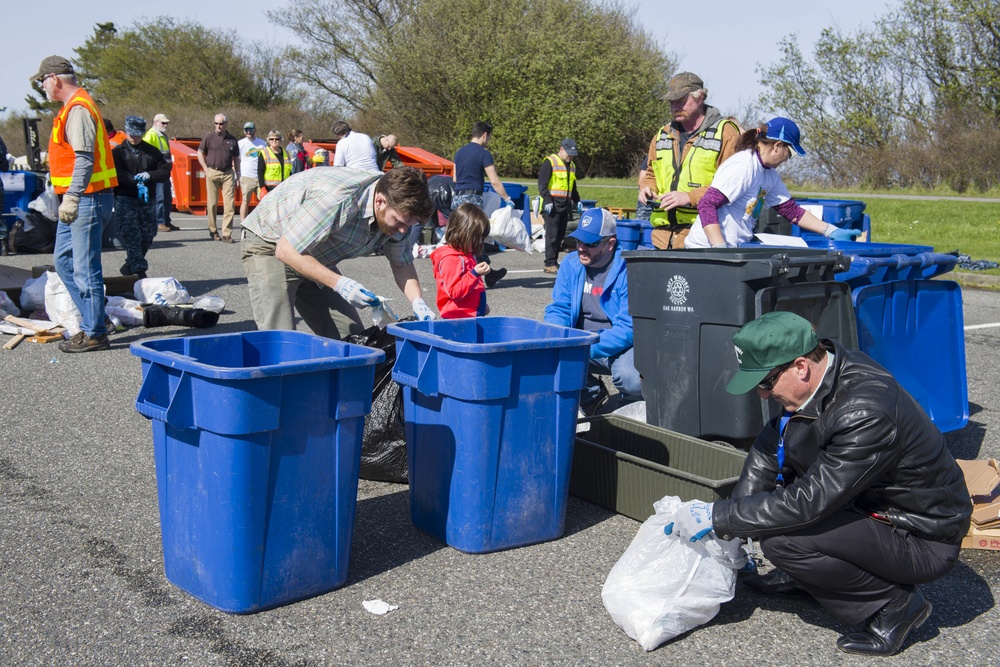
<point x="970" y="227"/>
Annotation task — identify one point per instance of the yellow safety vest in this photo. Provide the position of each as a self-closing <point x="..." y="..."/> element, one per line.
<point x="697" y="168"/>
<point x="157" y="140"/>
<point x="62" y="158"/>
<point x="563" y="177"/>
<point x="274" y="171"/>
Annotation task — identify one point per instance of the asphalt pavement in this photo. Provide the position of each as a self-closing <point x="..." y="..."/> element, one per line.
<point x="81" y="566"/>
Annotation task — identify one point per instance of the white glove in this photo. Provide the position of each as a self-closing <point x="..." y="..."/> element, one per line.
<point x="141" y="176"/>
<point x="69" y="209"/>
<point x="355" y="294"/>
<point x="692" y="521"/>
<point x="421" y="310"/>
<point x="547" y="209"/>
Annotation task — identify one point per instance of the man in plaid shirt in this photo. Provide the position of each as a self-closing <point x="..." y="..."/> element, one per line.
<point x="295" y="237"/>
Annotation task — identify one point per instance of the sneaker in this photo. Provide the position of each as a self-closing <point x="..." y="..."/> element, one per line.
<point x="165" y="228"/>
<point x="172" y="226"/>
<point x="81" y="342"/>
<point x="226" y="239"/>
<point x="551" y="269"/>
<point x="590" y="408"/>
<point x="493" y="277"/>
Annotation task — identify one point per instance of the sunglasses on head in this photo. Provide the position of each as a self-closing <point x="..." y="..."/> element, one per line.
<point x="767" y="384"/>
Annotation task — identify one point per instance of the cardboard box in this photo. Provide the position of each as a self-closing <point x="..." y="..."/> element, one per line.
<point x="982" y="478"/>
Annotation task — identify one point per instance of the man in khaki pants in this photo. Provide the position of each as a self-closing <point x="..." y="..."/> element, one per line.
<point x="219" y="156"/>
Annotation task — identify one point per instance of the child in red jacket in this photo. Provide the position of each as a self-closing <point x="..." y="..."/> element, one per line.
<point x="460" y="288"/>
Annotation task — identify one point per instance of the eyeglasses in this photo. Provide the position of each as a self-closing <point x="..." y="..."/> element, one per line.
<point x="40" y="80"/>
<point x="223" y="123"/>
<point x="767" y="384"/>
<point x="592" y="245"/>
<point x="274" y="139"/>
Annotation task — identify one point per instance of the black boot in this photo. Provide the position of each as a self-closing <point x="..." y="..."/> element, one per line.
<point x="161" y="316"/>
<point x="886" y="631"/>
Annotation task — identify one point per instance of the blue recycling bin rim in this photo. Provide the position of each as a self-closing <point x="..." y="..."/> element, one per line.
<point x="547" y="336"/>
<point x="183" y="354"/>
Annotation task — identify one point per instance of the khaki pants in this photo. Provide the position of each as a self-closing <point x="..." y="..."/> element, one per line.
<point x="671" y="237"/>
<point x="275" y="290"/>
<point x="226" y="181"/>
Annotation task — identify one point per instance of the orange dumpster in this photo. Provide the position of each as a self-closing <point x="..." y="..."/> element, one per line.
<point x="190" y="194"/>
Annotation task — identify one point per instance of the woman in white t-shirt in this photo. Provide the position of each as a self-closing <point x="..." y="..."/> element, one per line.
<point x="748" y="181"/>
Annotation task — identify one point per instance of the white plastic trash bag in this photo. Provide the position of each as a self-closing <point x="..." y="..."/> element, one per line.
<point x="216" y="304"/>
<point x="59" y="305"/>
<point x="161" y="291"/>
<point x="663" y="586"/>
<point x="47" y="203"/>
<point x="507" y="228"/>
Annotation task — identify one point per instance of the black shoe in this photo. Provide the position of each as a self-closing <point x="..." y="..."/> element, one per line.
<point x="590" y="408"/>
<point x="493" y="277"/>
<point x="777" y="583"/>
<point x="886" y="631"/>
<point x="81" y="342"/>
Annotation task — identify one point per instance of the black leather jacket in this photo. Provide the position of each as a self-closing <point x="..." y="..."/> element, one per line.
<point x="862" y="442"/>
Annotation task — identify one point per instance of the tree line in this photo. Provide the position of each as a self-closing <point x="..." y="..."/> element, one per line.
<point x="912" y="101"/>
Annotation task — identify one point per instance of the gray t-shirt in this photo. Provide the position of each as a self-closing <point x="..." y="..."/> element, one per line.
<point x="592" y="315"/>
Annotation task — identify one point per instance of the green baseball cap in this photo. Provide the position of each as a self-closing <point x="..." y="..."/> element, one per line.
<point x="767" y="342"/>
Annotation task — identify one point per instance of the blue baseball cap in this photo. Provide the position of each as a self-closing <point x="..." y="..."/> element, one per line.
<point x="595" y="224"/>
<point x="782" y="129"/>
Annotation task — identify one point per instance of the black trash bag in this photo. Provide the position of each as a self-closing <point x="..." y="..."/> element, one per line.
<point x="35" y="234"/>
<point x="383" y="445"/>
<point x="442" y="189"/>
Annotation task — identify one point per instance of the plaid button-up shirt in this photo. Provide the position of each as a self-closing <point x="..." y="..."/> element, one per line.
<point x="327" y="213"/>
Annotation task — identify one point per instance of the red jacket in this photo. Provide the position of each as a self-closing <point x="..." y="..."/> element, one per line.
<point x="460" y="292"/>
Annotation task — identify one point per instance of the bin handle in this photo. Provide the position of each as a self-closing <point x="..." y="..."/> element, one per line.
<point x="426" y="379"/>
<point x="835" y="259"/>
<point x="153" y="384"/>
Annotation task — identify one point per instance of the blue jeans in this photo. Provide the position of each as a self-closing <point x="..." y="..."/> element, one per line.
<point x="624" y="376"/>
<point x="77" y="257"/>
<point x="163" y="203"/>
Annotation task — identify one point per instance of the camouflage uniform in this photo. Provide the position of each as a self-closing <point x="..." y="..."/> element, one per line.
<point x="136" y="228"/>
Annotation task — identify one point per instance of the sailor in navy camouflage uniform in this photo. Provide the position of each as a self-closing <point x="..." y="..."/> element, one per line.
<point x="139" y="166"/>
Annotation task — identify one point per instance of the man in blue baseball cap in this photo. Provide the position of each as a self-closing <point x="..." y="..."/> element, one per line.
<point x="591" y="293"/>
<point x="851" y="491"/>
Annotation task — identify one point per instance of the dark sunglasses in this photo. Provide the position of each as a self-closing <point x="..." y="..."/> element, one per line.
<point x="592" y="245"/>
<point x="767" y="384"/>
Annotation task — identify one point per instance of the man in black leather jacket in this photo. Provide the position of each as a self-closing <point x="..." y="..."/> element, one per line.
<point x="852" y="492"/>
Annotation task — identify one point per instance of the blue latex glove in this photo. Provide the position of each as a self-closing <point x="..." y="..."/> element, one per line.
<point x="508" y="202"/>
<point x="547" y="209"/>
<point x="579" y="207"/>
<point x="143" y="192"/>
<point x="421" y="310"/>
<point x="691" y="521"/>
<point x="141" y="176"/>
<point x="355" y="294"/>
<point x="838" y="234"/>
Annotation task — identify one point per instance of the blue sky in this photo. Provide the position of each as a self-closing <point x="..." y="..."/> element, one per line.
<point x="746" y="33"/>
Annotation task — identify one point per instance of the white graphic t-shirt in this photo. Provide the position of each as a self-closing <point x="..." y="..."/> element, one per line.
<point x="749" y="186"/>
<point x="249" y="148"/>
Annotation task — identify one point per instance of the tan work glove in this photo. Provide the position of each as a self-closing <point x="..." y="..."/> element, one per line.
<point x="69" y="208"/>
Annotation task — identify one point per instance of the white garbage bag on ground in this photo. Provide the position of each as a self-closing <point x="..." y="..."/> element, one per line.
<point x="507" y="228"/>
<point x="663" y="586"/>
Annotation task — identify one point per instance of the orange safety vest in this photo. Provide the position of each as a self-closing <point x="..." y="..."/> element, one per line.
<point x="62" y="158"/>
<point x="117" y="138"/>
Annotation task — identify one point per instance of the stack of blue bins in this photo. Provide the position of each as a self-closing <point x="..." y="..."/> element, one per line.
<point x="909" y="323"/>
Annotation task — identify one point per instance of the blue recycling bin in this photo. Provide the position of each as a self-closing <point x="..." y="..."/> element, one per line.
<point x="490" y="405"/>
<point x="257" y="444"/>
<point x="897" y="307"/>
<point x="20" y="187"/>
<point x="915" y="328"/>
<point x="844" y="213"/>
<point x="629" y="234"/>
